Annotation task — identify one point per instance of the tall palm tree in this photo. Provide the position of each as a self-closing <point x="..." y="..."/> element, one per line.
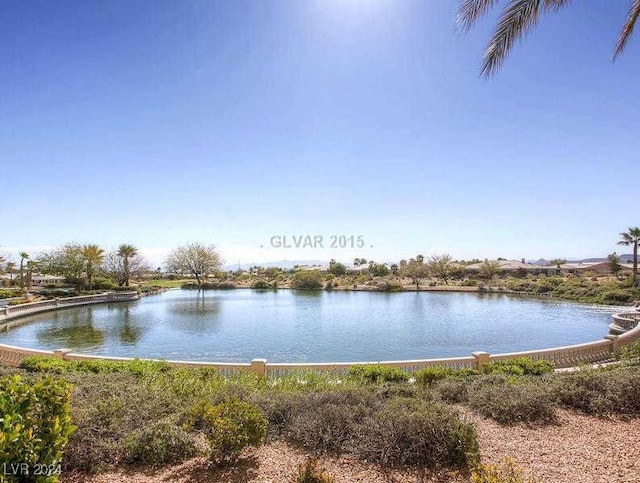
<point x="93" y="256"/>
<point x="23" y="256"/>
<point x="516" y="20"/>
<point x="632" y="237"/>
<point x="127" y="252"/>
<point x="31" y="265"/>
<point x="10" y="269"/>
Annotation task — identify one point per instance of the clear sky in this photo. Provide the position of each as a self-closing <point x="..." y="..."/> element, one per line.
<point x="162" y="122"/>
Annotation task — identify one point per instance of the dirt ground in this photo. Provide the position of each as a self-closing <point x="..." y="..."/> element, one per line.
<point x="578" y="449"/>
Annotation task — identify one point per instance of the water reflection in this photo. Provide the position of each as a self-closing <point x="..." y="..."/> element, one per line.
<point x="196" y="315"/>
<point x="78" y="331"/>
<point x="129" y="332"/>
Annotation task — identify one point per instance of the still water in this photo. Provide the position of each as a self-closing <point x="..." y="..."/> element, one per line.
<point x="293" y="326"/>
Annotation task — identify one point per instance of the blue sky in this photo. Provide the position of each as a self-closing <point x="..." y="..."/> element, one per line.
<point x="162" y="122"/>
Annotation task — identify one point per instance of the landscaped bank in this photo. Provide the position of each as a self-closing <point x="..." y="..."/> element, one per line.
<point x="133" y="416"/>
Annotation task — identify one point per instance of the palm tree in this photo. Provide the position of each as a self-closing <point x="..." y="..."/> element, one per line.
<point x="23" y="256"/>
<point x="516" y="20"/>
<point x="10" y="269"/>
<point x="632" y="237"/>
<point x="31" y="265"/>
<point x="126" y="252"/>
<point x="93" y="256"/>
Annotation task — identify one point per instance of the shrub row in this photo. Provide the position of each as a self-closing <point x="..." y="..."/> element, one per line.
<point x="137" y="367"/>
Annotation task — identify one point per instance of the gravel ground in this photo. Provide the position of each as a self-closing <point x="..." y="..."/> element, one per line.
<point x="579" y="449"/>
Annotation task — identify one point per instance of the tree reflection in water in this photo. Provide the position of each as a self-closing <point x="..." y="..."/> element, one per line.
<point x="199" y="315"/>
<point x="78" y="331"/>
<point x="129" y="333"/>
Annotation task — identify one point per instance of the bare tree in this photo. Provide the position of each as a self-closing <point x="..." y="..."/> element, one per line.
<point x="195" y="258"/>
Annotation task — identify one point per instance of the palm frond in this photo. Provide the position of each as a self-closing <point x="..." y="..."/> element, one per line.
<point x="555" y="4"/>
<point x="627" y="29"/>
<point x="470" y="11"/>
<point x="516" y="20"/>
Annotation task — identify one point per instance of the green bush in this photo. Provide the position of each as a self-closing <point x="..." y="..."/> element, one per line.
<point x="310" y="473"/>
<point x="5" y="294"/>
<point x="138" y="367"/>
<point x="510" y="402"/>
<point x="519" y="366"/>
<point x="159" y="444"/>
<point x="102" y="283"/>
<point x="429" y="375"/>
<point x="307" y="280"/>
<point x="229" y="427"/>
<point x="36" y="424"/>
<point x="376" y="374"/>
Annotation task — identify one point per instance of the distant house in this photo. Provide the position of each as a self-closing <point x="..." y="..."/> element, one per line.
<point x="37" y="279"/>
<point x="600" y="268"/>
<point x="316" y="268"/>
<point x="509" y="266"/>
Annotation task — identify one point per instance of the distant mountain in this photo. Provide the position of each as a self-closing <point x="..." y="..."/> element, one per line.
<point x="627" y="258"/>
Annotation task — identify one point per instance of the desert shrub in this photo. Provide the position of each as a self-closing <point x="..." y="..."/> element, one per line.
<point x="107" y="409"/>
<point x="470" y="282"/>
<point x="510" y="402"/>
<point x="452" y="390"/>
<point x="620" y="296"/>
<point x="36" y="424"/>
<point x="506" y="472"/>
<point x="601" y="392"/>
<point x="328" y="421"/>
<point x="518" y="367"/>
<point x="307" y="280"/>
<point x="376" y="374"/>
<point x="261" y="285"/>
<point x="311" y="473"/>
<point x="388" y="286"/>
<point x="630" y="354"/>
<point x="413" y="432"/>
<point x="229" y="427"/>
<point x="159" y="444"/>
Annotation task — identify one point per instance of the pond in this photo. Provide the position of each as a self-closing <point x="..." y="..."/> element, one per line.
<point x="294" y="326"/>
